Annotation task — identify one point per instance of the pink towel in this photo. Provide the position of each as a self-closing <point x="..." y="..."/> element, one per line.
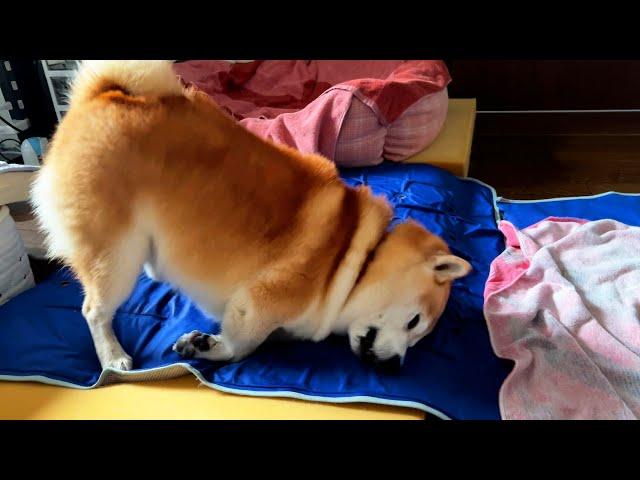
<point x="563" y="302"/>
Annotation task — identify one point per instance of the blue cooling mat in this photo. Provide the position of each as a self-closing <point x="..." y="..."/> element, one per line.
<point x="452" y="372"/>
<point x="623" y="207"/>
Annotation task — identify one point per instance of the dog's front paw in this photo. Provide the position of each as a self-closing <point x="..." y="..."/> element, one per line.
<point x="189" y="344"/>
<point x="123" y="363"/>
<point x="112" y="355"/>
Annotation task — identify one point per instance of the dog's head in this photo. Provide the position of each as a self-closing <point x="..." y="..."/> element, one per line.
<point x="401" y="294"/>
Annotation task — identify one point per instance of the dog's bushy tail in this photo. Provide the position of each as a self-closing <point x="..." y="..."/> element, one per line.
<point x="149" y="78"/>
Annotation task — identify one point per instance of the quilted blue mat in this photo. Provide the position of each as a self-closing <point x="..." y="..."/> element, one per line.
<point x="452" y="373"/>
<point x="622" y="207"/>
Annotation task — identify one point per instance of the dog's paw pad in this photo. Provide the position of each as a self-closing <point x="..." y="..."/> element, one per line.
<point x="190" y="343"/>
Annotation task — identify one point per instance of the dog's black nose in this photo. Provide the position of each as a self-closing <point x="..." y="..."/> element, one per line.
<point x="390" y="365"/>
<point x="366" y="345"/>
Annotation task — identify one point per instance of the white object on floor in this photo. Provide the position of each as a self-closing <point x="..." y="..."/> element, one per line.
<point x="15" y="273"/>
<point x="31" y="235"/>
<point x="15" y="182"/>
<point x="33" y="149"/>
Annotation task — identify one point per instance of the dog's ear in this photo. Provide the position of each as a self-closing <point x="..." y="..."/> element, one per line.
<point x="447" y="267"/>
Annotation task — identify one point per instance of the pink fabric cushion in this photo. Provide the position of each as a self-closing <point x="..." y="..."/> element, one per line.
<point x="363" y="140"/>
<point x="354" y="112"/>
<point x="417" y="127"/>
<point x="362" y="137"/>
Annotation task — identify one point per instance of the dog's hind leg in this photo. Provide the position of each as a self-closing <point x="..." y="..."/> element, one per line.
<point x="108" y="276"/>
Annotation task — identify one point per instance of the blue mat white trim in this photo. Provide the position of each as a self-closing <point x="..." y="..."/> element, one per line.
<point x="452" y="373"/>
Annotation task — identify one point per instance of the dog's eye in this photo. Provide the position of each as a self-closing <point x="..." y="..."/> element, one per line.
<point x="414" y="321"/>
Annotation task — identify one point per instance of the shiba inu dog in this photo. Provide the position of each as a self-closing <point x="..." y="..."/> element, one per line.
<point x="142" y="172"/>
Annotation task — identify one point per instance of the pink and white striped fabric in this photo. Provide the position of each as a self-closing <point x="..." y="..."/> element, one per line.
<point x="563" y="302"/>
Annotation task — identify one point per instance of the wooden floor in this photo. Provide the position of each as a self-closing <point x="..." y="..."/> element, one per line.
<point x="530" y="165"/>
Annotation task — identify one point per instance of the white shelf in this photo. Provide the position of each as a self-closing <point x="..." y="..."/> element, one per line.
<point x="60" y="73"/>
<point x="50" y="75"/>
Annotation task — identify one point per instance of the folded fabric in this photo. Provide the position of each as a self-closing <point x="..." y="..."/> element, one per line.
<point x="563" y="302"/>
<point x="353" y="112"/>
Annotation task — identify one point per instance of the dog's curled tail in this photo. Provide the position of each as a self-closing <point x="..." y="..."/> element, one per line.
<point x="149" y="78"/>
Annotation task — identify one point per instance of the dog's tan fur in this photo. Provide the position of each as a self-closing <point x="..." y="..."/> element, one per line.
<point x="142" y="171"/>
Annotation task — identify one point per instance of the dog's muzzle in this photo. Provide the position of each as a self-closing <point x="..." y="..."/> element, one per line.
<point x="367" y="354"/>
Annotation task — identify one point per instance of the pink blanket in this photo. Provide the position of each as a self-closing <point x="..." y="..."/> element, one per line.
<point x="344" y="110"/>
<point x="563" y="302"/>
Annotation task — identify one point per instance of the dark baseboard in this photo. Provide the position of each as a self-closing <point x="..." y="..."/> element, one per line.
<point x="547" y="84"/>
<point x="558" y="123"/>
<point x="535" y="155"/>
